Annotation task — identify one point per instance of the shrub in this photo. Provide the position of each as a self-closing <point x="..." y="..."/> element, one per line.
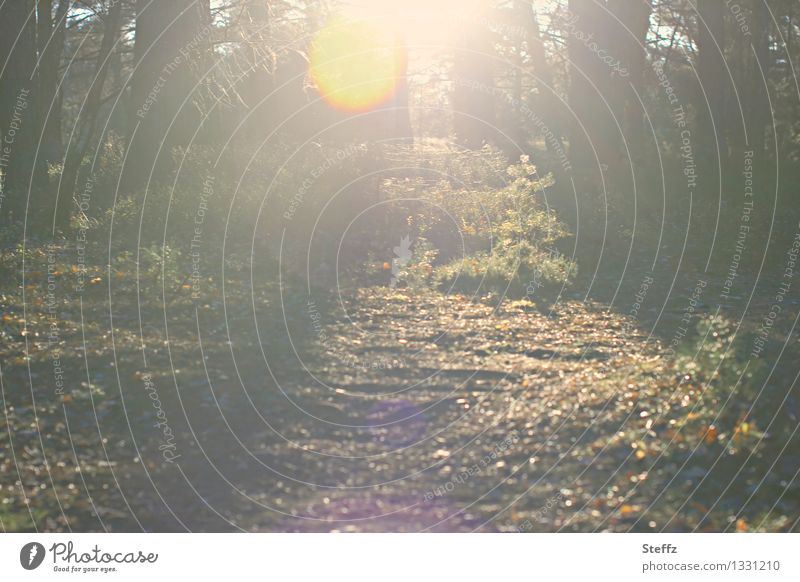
<point x="715" y="364"/>
<point x="479" y="224"/>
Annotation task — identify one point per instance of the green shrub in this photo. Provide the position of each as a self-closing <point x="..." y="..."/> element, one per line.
<point x="479" y="224"/>
<point x="715" y="363"/>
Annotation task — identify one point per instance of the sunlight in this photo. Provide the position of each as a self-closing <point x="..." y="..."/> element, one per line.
<point x="362" y="266"/>
<point x="357" y="59"/>
<point x="356" y="63"/>
<point x="420" y="22"/>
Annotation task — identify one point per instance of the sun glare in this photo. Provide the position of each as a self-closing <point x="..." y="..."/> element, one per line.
<point x="358" y="58"/>
<point x="356" y="63"/>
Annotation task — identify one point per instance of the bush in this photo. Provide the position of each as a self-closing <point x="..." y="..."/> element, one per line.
<point x="479" y="224"/>
<point x="715" y="364"/>
<point x="473" y="223"/>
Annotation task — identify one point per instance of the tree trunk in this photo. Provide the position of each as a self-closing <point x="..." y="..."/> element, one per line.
<point x="758" y="106"/>
<point x="401" y="112"/>
<point x="594" y="137"/>
<point x="51" y="31"/>
<point x="631" y="49"/>
<point x="549" y="104"/>
<point x="473" y="94"/>
<point x="87" y="118"/>
<point x="170" y="40"/>
<point x="712" y="77"/>
<point x="18" y="111"/>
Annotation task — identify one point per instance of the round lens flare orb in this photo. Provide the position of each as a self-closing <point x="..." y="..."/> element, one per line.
<point x="356" y="64"/>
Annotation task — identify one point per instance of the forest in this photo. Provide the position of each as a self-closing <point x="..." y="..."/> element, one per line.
<point x="399" y="265"/>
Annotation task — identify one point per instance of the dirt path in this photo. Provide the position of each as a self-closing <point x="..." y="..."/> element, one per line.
<point x="435" y="412"/>
<point x="392" y="410"/>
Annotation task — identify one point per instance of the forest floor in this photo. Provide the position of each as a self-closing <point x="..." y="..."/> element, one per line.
<point x="378" y="410"/>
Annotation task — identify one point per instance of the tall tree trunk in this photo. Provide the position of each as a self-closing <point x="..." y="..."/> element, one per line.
<point x="88" y="116"/>
<point x="712" y="74"/>
<point x="260" y="71"/>
<point x="473" y="94"/>
<point x="170" y="40"/>
<point x="631" y="49"/>
<point x="18" y="111"/>
<point x="51" y="31"/>
<point x="273" y="89"/>
<point x="549" y="104"/>
<point x="517" y="131"/>
<point x="401" y="112"/>
<point x="594" y="135"/>
<point x="758" y="106"/>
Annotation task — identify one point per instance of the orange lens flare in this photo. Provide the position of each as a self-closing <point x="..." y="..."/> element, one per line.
<point x="356" y="64"/>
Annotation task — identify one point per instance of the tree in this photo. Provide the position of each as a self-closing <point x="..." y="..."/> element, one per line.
<point x="18" y="109"/>
<point x="593" y="130"/>
<point x="400" y="126"/>
<point x="543" y="72"/>
<point x="757" y="103"/>
<point x="87" y="118"/>
<point x="712" y="76"/>
<point x="630" y="47"/>
<point x="473" y="93"/>
<point x="50" y="33"/>
<point x="172" y="41"/>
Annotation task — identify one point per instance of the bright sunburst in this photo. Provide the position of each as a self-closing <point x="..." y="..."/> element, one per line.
<point x="358" y="58"/>
<point x="356" y="63"/>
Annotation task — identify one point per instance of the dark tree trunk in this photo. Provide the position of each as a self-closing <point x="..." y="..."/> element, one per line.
<point x="473" y="94"/>
<point x="87" y="119"/>
<point x="401" y="112"/>
<point x="18" y="110"/>
<point x="594" y="138"/>
<point x="712" y="78"/>
<point x="171" y="39"/>
<point x="631" y="49"/>
<point x="549" y="105"/>
<point x="273" y="88"/>
<point x="51" y="31"/>
<point x="758" y="106"/>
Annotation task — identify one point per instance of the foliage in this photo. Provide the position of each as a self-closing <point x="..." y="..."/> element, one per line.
<point x="715" y="364"/>
<point x="480" y="224"/>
